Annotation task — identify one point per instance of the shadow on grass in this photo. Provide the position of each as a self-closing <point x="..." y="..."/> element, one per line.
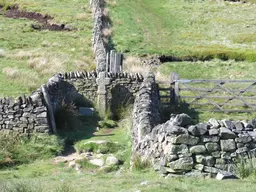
<point x="180" y="107"/>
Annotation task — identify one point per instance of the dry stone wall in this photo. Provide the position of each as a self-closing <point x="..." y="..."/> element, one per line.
<point x="25" y="115"/>
<point x="122" y="89"/>
<point x="98" y="44"/>
<point x="35" y="113"/>
<point x="177" y="147"/>
<point x="146" y="112"/>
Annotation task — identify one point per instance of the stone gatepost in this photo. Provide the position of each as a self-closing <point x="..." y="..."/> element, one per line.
<point x="102" y="82"/>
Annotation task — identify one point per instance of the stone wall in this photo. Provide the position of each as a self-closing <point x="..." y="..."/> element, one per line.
<point x="36" y="112"/>
<point x="203" y="149"/>
<point x="146" y="112"/>
<point x="98" y="44"/>
<point x="24" y="116"/>
<point x="122" y="89"/>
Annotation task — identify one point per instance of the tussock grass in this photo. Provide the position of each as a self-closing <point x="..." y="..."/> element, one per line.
<point x="44" y="53"/>
<point x="133" y="64"/>
<point x="16" y="150"/>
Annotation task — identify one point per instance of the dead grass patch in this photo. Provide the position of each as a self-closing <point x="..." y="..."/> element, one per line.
<point x="28" y="78"/>
<point x="48" y="64"/>
<point x="83" y="16"/>
<point x="105" y="12"/>
<point x="106" y="32"/>
<point x="24" y="54"/>
<point x="111" y="2"/>
<point x="134" y="65"/>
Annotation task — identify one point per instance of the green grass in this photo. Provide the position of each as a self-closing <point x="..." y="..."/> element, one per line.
<point x="18" y="150"/>
<point x="215" y="69"/>
<point x="200" y="29"/>
<point x="122" y="181"/>
<point x="31" y="57"/>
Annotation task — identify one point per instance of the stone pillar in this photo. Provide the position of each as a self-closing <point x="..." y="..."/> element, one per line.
<point x="102" y="82"/>
<point x="112" y="61"/>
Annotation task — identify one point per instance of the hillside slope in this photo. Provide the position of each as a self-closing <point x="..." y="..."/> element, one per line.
<point x="29" y="56"/>
<point x="200" y="29"/>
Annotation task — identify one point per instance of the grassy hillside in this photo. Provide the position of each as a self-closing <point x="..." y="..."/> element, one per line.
<point x="28" y="57"/>
<point x="200" y="29"/>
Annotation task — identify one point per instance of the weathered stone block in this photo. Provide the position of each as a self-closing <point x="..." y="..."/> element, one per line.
<point x="181" y="120"/>
<point x="216" y="154"/>
<point x="211" y="169"/>
<point x="198" y="149"/>
<point x="182" y="164"/>
<point x="228" y="145"/>
<point x="207" y="138"/>
<point x="214" y="123"/>
<point x="175" y="130"/>
<point x="228" y="124"/>
<point x="239" y="126"/>
<point x="176" y="149"/>
<point x="214" y="132"/>
<point x="199" y="129"/>
<point x="211" y="147"/>
<point x="243" y="138"/>
<point x="226" y="133"/>
<point x="199" y="167"/>
<point x="205" y="160"/>
<point x="185" y="139"/>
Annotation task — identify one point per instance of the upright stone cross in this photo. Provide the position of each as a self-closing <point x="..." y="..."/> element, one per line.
<point x="102" y="82"/>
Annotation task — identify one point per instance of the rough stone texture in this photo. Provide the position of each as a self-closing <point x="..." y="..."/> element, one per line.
<point x="182" y="164"/>
<point x="25" y="115"/>
<point x="176" y="149"/>
<point x="197" y="149"/>
<point x="99" y="47"/>
<point x="211" y="147"/>
<point x="228" y="145"/>
<point x="35" y="113"/>
<point x="146" y="112"/>
<point x="180" y="120"/>
<point x="185" y="139"/>
<point x="226" y="133"/>
<point x="199" y="129"/>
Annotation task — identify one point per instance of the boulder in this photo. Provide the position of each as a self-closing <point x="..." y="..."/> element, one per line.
<point x="97" y="162"/>
<point x="112" y="160"/>
<point x="228" y="145"/>
<point x="226" y="133"/>
<point x="197" y="149"/>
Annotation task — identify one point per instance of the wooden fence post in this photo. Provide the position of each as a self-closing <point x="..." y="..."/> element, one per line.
<point x="174" y="92"/>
